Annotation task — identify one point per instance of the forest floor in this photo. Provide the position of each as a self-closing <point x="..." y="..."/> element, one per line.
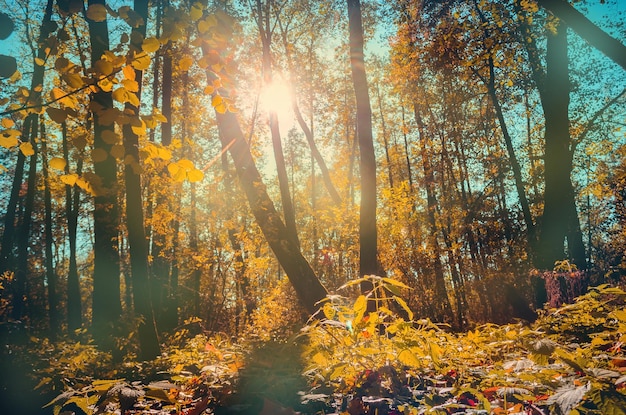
<point x="571" y="361"/>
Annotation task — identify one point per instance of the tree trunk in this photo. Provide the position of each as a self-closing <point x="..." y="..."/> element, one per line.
<point x="559" y="214"/>
<point x="368" y="260"/>
<point x="137" y="242"/>
<point x="306" y="284"/>
<point x="51" y="277"/>
<point x="441" y="306"/>
<point x="72" y="204"/>
<point x="107" y="307"/>
<point x="265" y="32"/>
<point x="21" y="274"/>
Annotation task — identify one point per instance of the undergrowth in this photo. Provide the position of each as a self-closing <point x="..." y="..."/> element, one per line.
<point x="360" y="358"/>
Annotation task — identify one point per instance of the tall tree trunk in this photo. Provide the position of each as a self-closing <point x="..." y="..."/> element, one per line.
<point x="265" y="32"/>
<point x="21" y="274"/>
<point x="72" y="205"/>
<point x="442" y="307"/>
<point x="137" y="242"/>
<point x="51" y="277"/>
<point x="559" y="213"/>
<point x="306" y="284"/>
<point x="107" y="306"/>
<point x="368" y="260"/>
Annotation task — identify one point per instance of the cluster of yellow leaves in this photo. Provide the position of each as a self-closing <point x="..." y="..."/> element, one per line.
<point x="183" y="170"/>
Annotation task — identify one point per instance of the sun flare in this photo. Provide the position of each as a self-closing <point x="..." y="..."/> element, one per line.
<point x="276" y="97"/>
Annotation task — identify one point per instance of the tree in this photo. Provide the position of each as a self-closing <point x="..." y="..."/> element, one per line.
<point x="368" y="262"/>
<point x="107" y="307"/>
<point x="138" y="244"/>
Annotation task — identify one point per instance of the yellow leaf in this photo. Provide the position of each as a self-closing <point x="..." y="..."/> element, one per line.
<point x="209" y="90"/>
<point x="196" y="11"/>
<point x="98" y="155"/>
<point x="105" y="84"/>
<point x="221" y="108"/>
<point x="177" y="173"/>
<point x="139" y="129"/>
<point x="8" y="138"/>
<point x="129" y="73"/>
<point x="150" y="44"/>
<point x="39" y="62"/>
<point x="27" y="149"/>
<point x="185" y="164"/>
<point x="103" y="67"/>
<point x="360" y="306"/>
<point x="133" y="100"/>
<point x="141" y="62"/>
<point x="195" y="175"/>
<point x="120" y="95"/>
<point x="57" y="163"/>
<point x="185" y="63"/>
<point x="69" y="179"/>
<point x="164" y="153"/>
<point x="97" y="12"/>
<point x="7" y="123"/>
<point x="73" y="79"/>
<point x="131" y="86"/>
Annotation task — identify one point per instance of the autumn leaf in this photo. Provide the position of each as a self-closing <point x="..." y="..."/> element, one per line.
<point x="57" y="163"/>
<point x="141" y="62"/>
<point x="185" y="63"/>
<point x="129" y="73"/>
<point x="57" y="115"/>
<point x="27" y="149"/>
<point x="97" y="12"/>
<point x="69" y="179"/>
<point x="196" y="11"/>
<point x="150" y="44"/>
<point x="9" y="138"/>
<point x="195" y="175"/>
<point x="7" y="123"/>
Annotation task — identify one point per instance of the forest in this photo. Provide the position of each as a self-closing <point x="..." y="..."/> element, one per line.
<point x="352" y="207"/>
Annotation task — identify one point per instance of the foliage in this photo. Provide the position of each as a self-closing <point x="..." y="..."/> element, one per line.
<point x="570" y="361"/>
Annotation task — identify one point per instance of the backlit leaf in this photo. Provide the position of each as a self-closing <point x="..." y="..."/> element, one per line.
<point x="73" y="80"/>
<point x="57" y="163"/>
<point x="9" y="138"/>
<point x="196" y="11"/>
<point x="7" y="123"/>
<point x="150" y="44"/>
<point x="27" y="149"/>
<point x="97" y="12"/>
<point x="69" y="179"/>
<point x="141" y="62"/>
<point x="185" y="63"/>
<point x="129" y="73"/>
<point x="195" y="175"/>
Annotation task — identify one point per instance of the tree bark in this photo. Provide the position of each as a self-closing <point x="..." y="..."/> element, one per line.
<point x="137" y="242"/>
<point x="368" y="261"/>
<point x="306" y="284"/>
<point x="265" y="32"/>
<point x="559" y="213"/>
<point x="107" y="307"/>
<point x="72" y="204"/>
<point x="51" y="277"/>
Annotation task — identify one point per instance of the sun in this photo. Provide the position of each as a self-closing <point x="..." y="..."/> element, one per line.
<point x="276" y="97"/>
